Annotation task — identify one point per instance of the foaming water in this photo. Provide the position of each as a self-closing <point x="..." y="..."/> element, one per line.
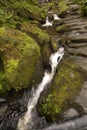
<point x="48" y="23"/>
<point x="27" y="118"/>
<point x="56" y="17"/>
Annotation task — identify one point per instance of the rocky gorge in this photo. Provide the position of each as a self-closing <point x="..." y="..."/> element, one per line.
<point x="25" y="48"/>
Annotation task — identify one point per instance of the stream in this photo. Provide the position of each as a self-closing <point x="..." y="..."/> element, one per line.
<point x="20" y="112"/>
<point x="26" y="121"/>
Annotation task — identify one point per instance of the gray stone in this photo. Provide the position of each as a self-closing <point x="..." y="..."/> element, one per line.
<point x="3" y="109"/>
<point x="82" y="97"/>
<point x="74" y="7"/>
<point x="2" y="100"/>
<point x="70" y="113"/>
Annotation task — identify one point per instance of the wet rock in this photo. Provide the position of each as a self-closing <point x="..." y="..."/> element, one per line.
<point x="82" y="97"/>
<point x="39" y="122"/>
<point x="74" y="7"/>
<point x="55" y="43"/>
<point x="3" y="108"/>
<point x="2" y="100"/>
<point x="71" y="113"/>
<point x="11" y="115"/>
<point x="79" y="38"/>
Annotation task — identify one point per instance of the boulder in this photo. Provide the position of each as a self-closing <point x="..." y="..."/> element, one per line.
<point x="71" y="113"/>
<point x="19" y="56"/>
<point x="65" y="86"/>
<point x="42" y="38"/>
<point x="74" y="7"/>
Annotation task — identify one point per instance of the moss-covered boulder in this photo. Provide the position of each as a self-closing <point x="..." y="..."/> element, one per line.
<point x="66" y="85"/>
<point x="41" y="36"/>
<point x="19" y="55"/>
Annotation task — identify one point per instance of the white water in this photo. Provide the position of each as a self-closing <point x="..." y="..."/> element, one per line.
<point x="48" y="23"/>
<point x="54" y="60"/>
<point x="56" y="17"/>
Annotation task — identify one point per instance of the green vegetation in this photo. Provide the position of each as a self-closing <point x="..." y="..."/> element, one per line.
<point x="13" y="11"/>
<point x="19" y="51"/>
<point x="61" y="28"/>
<point x="62" y="7"/>
<point x="83" y="5"/>
<point x="41" y="36"/>
<point x="66" y="85"/>
<point x="19" y="54"/>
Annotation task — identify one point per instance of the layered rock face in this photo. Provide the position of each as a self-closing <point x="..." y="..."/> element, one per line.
<point x="71" y="76"/>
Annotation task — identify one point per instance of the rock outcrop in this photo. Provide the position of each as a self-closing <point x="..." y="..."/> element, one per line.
<point x="19" y="54"/>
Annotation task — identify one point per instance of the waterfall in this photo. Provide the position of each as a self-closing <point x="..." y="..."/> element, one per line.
<point x="56" y="17"/>
<point x="47" y="22"/>
<point x="54" y="60"/>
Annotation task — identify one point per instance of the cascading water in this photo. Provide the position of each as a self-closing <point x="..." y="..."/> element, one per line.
<point x="48" y="23"/>
<point x="27" y="118"/>
<point x="56" y="17"/>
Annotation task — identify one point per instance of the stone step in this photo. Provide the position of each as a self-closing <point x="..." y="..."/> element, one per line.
<point x="77" y="23"/>
<point x="73" y="28"/>
<point x="71" y="18"/>
<point x="77" y="45"/>
<point x="82" y="62"/>
<point x="83" y="31"/>
<point x="78" y="29"/>
<point x="79" y="38"/>
<point x="81" y="51"/>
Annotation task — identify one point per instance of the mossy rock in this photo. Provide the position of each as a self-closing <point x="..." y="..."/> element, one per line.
<point x="55" y="43"/>
<point x="65" y="86"/>
<point x="12" y="12"/>
<point x="62" y="28"/>
<point x="62" y="8"/>
<point x="19" y="54"/>
<point x="42" y="38"/>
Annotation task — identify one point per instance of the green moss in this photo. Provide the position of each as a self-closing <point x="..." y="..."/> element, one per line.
<point x="62" y="7"/>
<point x="61" y="28"/>
<point x="20" y="54"/>
<point x="4" y="85"/>
<point x="41" y="36"/>
<point x="66" y="85"/>
<point x="83" y="6"/>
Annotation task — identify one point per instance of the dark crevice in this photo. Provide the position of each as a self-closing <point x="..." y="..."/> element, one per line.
<point x="1" y="65"/>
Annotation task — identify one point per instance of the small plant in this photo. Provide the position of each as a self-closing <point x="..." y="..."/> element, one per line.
<point x="83" y="5"/>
